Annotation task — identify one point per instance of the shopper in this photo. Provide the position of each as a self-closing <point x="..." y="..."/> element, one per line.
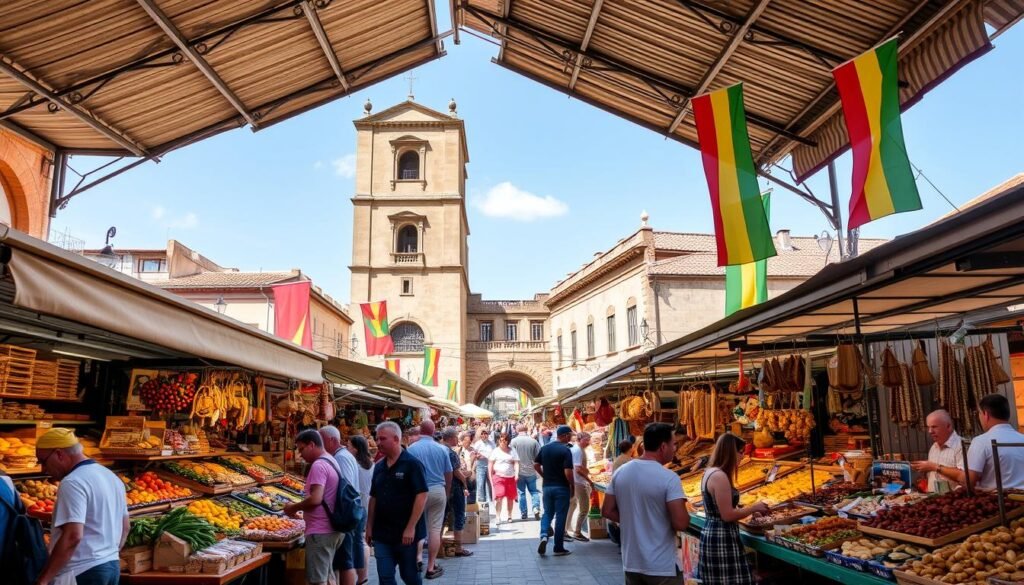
<point x="481" y="455"/>
<point x="994" y="414"/>
<point x="527" y="448"/>
<point x="721" y="560"/>
<point x="438" y="469"/>
<point x="344" y="558"/>
<point x="647" y="502"/>
<point x="465" y="451"/>
<point x="395" y="521"/>
<point x="581" y="476"/>
<point x="90" y="519"/>
<point x="322" y="540"/>
<point x="360" y="449"/>
<point x="503" y="470"/>
<point x="554" y="464"/>
<point x="456" y="510"/>
<point x="625" y="454"/>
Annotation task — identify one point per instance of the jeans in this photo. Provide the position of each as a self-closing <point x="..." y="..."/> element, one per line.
<point x="108" y="573"/>
<point x="556" y="507"/>
<point x="528" y="483"/>
<point x="401" y="556"/>
<point x="484" y="491"/>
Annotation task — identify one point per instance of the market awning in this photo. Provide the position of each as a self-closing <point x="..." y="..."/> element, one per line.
<point x="409" y="399"/>
<point x="371" y="377"/>
<point x="644" y="61"/>
<point x="51" y="281"/>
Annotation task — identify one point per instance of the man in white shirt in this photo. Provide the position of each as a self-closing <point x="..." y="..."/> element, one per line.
<point x="344" y="558"/>
<point x="946" y="456"/>
<point x="994" y="414"/>
<point x="90" y="520"/>
<point x="481" y="454"/>
<point x="580" y="503"/>
<point x="648" y="503"/>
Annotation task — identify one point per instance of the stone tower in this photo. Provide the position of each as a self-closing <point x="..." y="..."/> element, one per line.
<point x="410" y="232"/>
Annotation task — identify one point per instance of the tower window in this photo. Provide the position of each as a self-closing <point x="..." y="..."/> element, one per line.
<point x="408" y="338"/>
<point x="408" y="238"/>
<point x="409" y="166"/>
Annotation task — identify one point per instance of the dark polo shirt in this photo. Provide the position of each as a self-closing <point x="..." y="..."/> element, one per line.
<point x="395" y="489"/>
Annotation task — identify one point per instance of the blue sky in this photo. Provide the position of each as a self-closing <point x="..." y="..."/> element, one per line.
<point x="279" y="198"/>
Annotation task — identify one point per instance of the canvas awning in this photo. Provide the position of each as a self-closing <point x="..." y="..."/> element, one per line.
<point x="409" y="399"/>
<point x="474" y="411"/>
<point x="53" y="282"/>
<point x="371" y="377"/>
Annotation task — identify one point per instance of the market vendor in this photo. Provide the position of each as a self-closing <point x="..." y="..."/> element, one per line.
<point x="994" y="414"/>
<point x="946" y="456"/>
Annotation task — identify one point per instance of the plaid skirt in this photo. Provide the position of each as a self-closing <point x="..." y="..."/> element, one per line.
<point x="721" y="558"/>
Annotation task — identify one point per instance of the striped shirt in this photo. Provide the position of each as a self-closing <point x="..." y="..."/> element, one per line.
<point x="949" y="455"/>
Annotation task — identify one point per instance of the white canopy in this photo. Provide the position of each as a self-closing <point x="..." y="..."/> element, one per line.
<point x="474" y="411"/>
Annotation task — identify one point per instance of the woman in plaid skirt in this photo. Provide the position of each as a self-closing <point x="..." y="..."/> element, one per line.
<point x="721" y="552"/>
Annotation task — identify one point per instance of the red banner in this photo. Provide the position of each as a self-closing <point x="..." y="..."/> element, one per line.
<point x="291" y="313"/>
<point x="375" y="326"/>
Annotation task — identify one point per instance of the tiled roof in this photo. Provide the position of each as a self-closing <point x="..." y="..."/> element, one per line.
<point x="226" y="280"/>
<point x="804" y="260"/>
<point x="684" y="242"/>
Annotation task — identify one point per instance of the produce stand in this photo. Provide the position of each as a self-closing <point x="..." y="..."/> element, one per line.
<point x="257" y="563"/>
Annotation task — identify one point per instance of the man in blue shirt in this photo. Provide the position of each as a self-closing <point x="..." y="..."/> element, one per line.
<point x="554" y="464"/>
<point x="437" y="468"/>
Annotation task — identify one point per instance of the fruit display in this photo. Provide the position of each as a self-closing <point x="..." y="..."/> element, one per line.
<point x="997" y="553"/>
<point x="785" y="488"/>
<point x="224" y="475"/>
<point x="38" y="495"/>
<point x="239" y="507"/>
<point x="166" y="394"/>
<point x="888" y="552"/>
<point x="191" y="470"/>
<point x="187" y="526"/>
<point x="272" y="528"/>
<point x="16" y="453"/>
<point x="830" y="494"/>
<point x="228" y="521"/>
<point x="937" y="516"/>
<point x="273" y="490"/>
<point x="260" y="498"/>
<point x="825" y="533"/>
<point x="795" y="424"/>
<point x="297" y="485"/>
<point x="147" y="488"/>
<point x="250" y="468"/>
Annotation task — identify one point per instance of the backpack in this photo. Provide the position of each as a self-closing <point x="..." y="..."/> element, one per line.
<point x="23" y="549"/>
<point x="348" y="509"/>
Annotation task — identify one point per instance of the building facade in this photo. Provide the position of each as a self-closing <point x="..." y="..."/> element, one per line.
<point x="25" y="177"/>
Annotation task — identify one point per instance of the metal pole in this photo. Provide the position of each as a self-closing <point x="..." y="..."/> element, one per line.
<point x="999" y="482"/>
<point x="872" y="406"/>
<point x="837" y="214"/>
<point x="967" y="472"/>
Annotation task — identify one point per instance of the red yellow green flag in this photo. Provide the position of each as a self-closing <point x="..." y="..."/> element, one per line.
<point x="883" y="183"/>
<point x="747" y="284"/>
<point x="393" y="365"/>
<point x="453" y="390"/>
<point x="291" y="312"/>
<point x="431" y="360"/>
<point x="524" y="400"/>
<point x="742" y="234"/>
<point x="375" y="326"/>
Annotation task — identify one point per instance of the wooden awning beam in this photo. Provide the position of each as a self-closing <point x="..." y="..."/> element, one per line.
<point x="185" y="47"/>
<point x="325" y="43"/>
<point x="595" y="12"/>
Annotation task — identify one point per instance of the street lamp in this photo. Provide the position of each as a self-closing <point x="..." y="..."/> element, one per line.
<point x="825" y="243"/>
<point x="221" y="305"/>
<point x="107" y="256"/>
<point x="353" y="344"/>
<point x="644" y="329"/>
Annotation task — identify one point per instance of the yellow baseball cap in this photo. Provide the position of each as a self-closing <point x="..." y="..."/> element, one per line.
<point x="57" y="438"/>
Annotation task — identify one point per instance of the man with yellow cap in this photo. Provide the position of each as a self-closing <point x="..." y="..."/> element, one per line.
<point x="90" y="519"/>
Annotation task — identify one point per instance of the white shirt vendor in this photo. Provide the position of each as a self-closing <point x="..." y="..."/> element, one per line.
<point x="93" y="496"/>
<point x="949" y="455"/>
<point x="1011" y="460"/>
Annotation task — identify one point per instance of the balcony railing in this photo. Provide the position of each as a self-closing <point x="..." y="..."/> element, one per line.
<point x="407" y="258"/>
<point x="507" y="345"/>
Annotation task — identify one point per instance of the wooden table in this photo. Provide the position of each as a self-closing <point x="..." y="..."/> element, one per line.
<point x="283" y="545"/>
<point x="159" y="578"/>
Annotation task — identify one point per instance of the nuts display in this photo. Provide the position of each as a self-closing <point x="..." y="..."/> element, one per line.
<point x="937" y="516"/>
<point x="785" y="488"/>
<point x="997" y="553"/>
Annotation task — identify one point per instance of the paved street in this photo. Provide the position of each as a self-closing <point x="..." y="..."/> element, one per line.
<point x="509" y="557"/>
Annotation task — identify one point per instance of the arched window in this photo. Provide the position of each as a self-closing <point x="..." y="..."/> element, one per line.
<point x="409" y="166"/>
<point x="408" y="338"/>
<point x="408" y="238"/>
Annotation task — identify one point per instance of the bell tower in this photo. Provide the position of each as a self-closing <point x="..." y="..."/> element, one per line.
<point x="410" y="234"/>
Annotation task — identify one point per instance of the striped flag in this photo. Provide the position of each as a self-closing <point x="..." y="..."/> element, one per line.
<point x="375" y="326"/>
<point x="747" y="284"/>
<point x="883" y="183"/>
<point x="742" y="234"/>
<point x="393" y="365"/>
<point x="431" y="360"/>
<point x="524" y="400"/>
<point x="453" y="390"/>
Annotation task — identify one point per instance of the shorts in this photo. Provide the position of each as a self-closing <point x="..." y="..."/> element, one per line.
<point x="345" y="556"/>
<point x="320" y="549"/>
<point x="434" y="510"/>
<point x="641" y="579"/>
<point x="457" y="508"/>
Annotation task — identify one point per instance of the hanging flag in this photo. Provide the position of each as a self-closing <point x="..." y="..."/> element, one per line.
<point x="883" y="183"/>
<point x="393" y="365"/>
<point x="747" y="284"/>
<point x="291" y="312"/>
<point x="742" y="234"/>
<point x="375" y="326"/>
<point x="431" y="359"/>
<point x="524" y="400"/>
<point x="453" y="390"/>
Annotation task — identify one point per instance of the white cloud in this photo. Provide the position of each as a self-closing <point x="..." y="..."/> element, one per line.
<point x="159" y="212"/>
<point x="188" y="221"/>
<point x="345" y="166"/>
<point x="318" y="164"/>
<point x="507" y="201"/>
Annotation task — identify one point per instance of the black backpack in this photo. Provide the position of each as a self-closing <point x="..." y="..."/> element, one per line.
<point x="23" y="550"/>
<point x="348" y="509"/>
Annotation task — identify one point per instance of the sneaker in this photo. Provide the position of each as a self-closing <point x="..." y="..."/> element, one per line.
<point x="562" y="553"/>
<point x="536" y="515"/>
<point x="578" y="536"/>
<point x="567" y="538"/>
<point x="522" y="516"/>
<point x="543" y="546"/>
<point x="437" y="572"/>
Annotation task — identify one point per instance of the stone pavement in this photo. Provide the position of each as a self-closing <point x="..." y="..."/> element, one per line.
<point x="508" y="556"/>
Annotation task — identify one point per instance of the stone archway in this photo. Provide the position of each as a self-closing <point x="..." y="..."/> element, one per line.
<point x="497" y="384"/>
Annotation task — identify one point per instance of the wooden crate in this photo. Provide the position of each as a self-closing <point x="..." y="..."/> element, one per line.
<point x="950" y="538"/>
<point x="16" y="364"/>
<point x="67" y="378"/>
<point x="44" y="379"/>
<point x="903" y="578"/>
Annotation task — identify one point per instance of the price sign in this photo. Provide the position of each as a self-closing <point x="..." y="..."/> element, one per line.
<point x="772" y="473"/>
<point x="892" y="475"/>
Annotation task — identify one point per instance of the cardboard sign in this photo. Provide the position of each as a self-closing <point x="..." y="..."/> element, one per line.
<point x="891" y="476"/>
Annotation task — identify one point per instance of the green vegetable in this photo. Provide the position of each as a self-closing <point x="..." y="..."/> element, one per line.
<point x="191" y="528"/>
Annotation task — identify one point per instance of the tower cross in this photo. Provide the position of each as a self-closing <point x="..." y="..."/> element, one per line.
<point x="411" y="79"/>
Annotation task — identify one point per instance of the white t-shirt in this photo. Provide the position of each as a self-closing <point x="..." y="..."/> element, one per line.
<point x="504" y="463"/>
<point x="1011" y="460"/>
<point x="641" y="489"/>
<point x="365" y="479"/>
<point x="93" y="496"/>
<point x="483" y="448"/>
<point x="349" y="466"/>
<point x="578" y="460"/>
